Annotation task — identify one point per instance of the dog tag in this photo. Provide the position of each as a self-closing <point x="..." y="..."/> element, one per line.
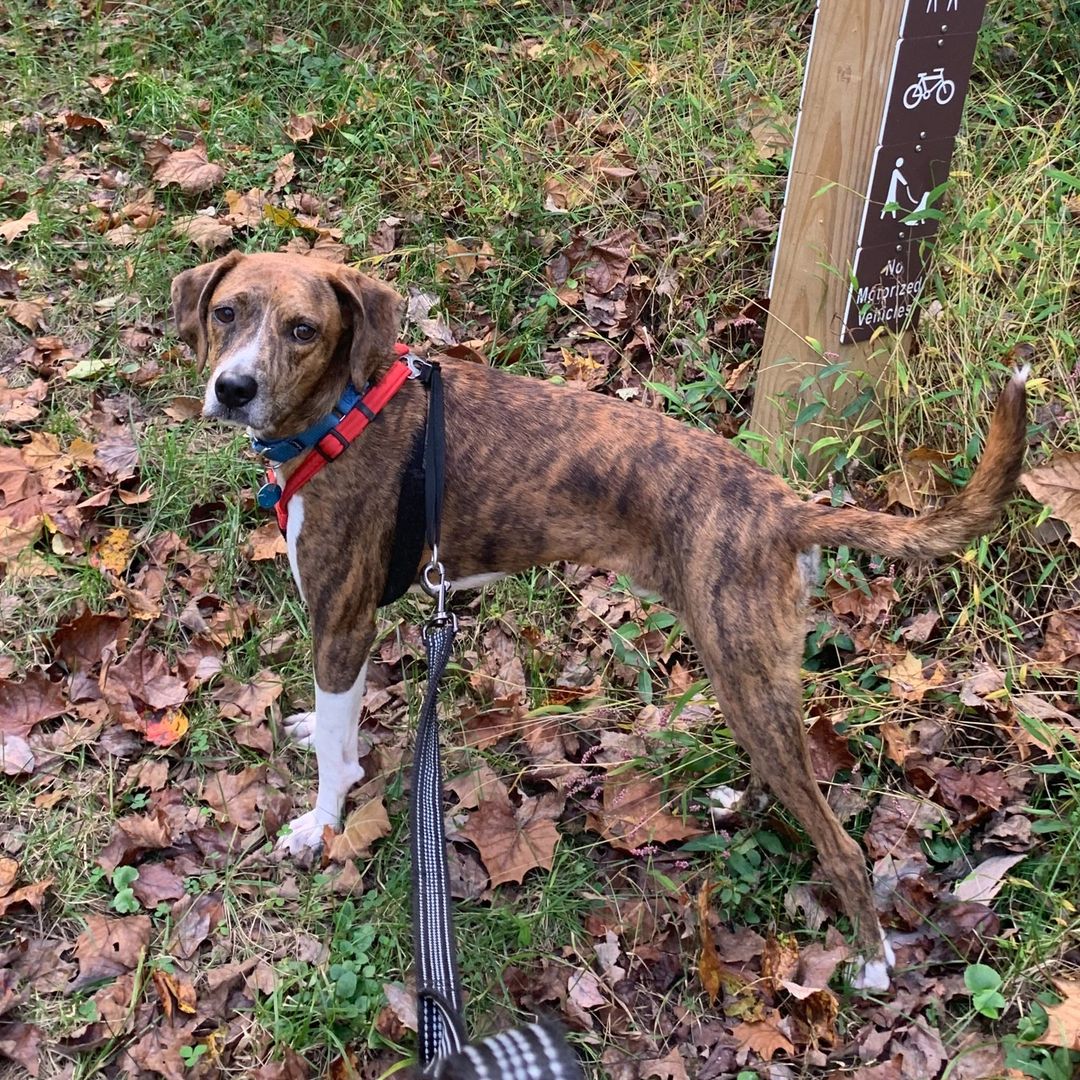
<point x="269" y="496"/>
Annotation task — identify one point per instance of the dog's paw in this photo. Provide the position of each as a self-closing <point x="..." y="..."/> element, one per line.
<point x="305" y="836"/>
<point x="729" y="802"/>
<point x="300" y="728"/>
<point x="874" y="974"/>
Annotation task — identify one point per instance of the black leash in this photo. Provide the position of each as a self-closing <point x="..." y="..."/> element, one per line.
<point x="533" y="1052"/>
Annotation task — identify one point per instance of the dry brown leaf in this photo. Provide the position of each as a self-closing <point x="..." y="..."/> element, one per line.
<point x="829" y="750"/>
<point x="191" y="170"/>
<point x="235" y="797"/>
<point x="362" y="828"/>
<point x="26" y="894"/>
<point x="15" y="227"/>
<point x="195" y="923"/>
<point x="987" y="879"/>
<point x="1061" y="641"/>
<point x="28" y="702"/>
<point x="845" y="600"/>
<point x="21" y="1043"/>
<point x="109" y="947"/>
<point x="763" y="1037"/>
<point x="284" y="171"/>
<point x="911" y="678"/>
<point x="513" y="842"/>
<point x="1063" y="1021"/>
<point x="27" y="313"/>
<point x="245" y="208"/>
<point x="206" y="233"/>
<point x="632" y="816"/>
<point x="918" y="483"/>
<point x="18" y="405"/>
<point x="1057" y="484"/>
<point x="709" y="969"/>
<point x="16" y="757"/>
<point x="265" y="542"/>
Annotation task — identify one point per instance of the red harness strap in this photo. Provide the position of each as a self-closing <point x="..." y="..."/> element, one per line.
<point x="334" y="442"/>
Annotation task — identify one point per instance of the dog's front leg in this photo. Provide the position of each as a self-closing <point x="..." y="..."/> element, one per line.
<point x="335" y="738"/>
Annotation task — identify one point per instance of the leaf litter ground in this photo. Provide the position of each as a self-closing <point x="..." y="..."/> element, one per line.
<point x="588" y="195"/>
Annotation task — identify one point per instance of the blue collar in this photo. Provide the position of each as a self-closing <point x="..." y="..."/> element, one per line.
<point x="280" y="450"/>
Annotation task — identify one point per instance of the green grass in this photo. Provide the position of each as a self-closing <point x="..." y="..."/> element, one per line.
<point x="461" y="119"/>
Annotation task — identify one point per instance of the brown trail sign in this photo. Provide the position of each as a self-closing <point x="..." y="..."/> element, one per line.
<point x="881" y="105"/>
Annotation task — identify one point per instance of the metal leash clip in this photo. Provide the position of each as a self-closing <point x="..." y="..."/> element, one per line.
<point x="434" y="582"/>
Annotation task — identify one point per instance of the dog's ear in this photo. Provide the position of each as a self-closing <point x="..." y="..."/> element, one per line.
<point x="191" y="292"/>
<point x="374" y="310"/>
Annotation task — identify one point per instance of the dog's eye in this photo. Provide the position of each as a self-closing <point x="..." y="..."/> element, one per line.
<point x="224" y="314"/>
<point x="303" y="332"/>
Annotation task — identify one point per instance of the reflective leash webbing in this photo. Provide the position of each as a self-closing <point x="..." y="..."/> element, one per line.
<point x="533" y="1052"/>
<point x="440" y="1029"/>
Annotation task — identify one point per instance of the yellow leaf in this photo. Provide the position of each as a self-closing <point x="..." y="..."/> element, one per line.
<point x="114" y="552"/>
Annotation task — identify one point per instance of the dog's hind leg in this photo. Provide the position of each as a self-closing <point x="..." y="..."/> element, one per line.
<point x="754" y="667"/>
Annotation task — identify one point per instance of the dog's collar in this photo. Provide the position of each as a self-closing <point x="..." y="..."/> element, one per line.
<point x="341" y="433"/>
<point x="282" y="450"/>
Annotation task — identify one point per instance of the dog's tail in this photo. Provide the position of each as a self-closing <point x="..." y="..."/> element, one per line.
<point x="973" y="512"/>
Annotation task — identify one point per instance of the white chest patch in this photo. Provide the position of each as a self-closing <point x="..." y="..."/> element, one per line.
<point x="292" y="538"/>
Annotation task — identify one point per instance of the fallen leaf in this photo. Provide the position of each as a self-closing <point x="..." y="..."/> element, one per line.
<point x="1061" y="641"/>
<point x="918" y="483"/>
<point x="1063" y="1021"/>
<point x="236" y="797"/>
<point x="709" y="970"/>
<point x="632" y="816"/>
<point x="763" y="1037"/>
<point x="191" y="170"/>
<point x="26" y="894"/>
<point x="27" y="313"/>
<point x="362" y="828"/>
<point x="871" y="606"/>
<point x="15" y="227"/>
<point x="21" y="1043"/>
<point x="1057" y="484"/>
<point x="114" y="551"/>
<point x="156" y="884"/>
<point x="19" y="405"/>
<point x="987" y="879"/>
<point x="27" y="703"/>
<point x="194" y="922"/>
<point x="245" y="210"/>
<point x="829" y="750"/>
<point x="265" y="542"/>
<point x="205" y="232"/>
<point x="109" y="947"/>
<point x="911" y="678"/>
<point x="167" y="729"/>
<point x="513" y="842"/>
<point x="133" y="835"/>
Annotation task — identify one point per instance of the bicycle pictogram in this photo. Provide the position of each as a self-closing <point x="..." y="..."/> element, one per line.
<point x="929" y="84"/>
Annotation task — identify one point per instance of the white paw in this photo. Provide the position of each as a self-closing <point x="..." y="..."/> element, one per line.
<point x="300" y="728"/>
<point x="874" y="974"/>
<point x="305" y="835"/>
<point x="729" y="801"/>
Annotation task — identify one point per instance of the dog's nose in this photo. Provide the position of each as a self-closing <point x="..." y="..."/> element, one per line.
<point x="235" y="390"/>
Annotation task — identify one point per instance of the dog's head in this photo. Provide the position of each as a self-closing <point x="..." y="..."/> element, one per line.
<point x="282" y="334"/>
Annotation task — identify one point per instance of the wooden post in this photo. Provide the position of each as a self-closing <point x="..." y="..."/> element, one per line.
<point x="861" y="141"/>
